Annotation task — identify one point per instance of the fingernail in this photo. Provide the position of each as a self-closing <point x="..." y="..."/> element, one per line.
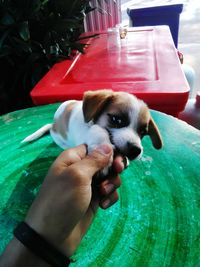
<point x="106" y="203"/>
<point x="104" y="149"/>
<point x="109" y="188"/>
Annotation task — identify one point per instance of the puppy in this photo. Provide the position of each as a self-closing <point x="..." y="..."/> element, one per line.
<point x="104" y="116"/>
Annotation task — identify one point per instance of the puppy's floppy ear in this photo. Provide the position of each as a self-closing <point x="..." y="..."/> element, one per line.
<point x="95" y="102"/>
<point x="154" y="134"/>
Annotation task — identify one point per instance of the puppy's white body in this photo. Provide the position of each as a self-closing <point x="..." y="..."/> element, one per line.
<point x="74" y="131"/>
<point x="78" y="131"/>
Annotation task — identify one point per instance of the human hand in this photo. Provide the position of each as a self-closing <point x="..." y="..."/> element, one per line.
<point x="66" y="203"/>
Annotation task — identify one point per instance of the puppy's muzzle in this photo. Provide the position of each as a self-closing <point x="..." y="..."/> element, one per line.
<point x="133" y="151"/>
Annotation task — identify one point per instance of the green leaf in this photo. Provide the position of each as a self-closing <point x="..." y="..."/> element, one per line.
<point x="21" y="46"/>
<point x="36" y="34"/>
<point x="54" y="49"/>
<point x="89" y="9"/>
<point x="89" y="36"/>
<point x="38" y="5"/>
<point x="7" y="19"/>
<point x="5" y="51"/>
<point x="78" y="46"/>
<point x="3" y="38"/>
<point x="61" y="25"/>
<point x="24" y="31"/>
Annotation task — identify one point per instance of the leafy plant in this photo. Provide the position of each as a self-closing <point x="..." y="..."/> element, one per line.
<point x="34" y="34"/>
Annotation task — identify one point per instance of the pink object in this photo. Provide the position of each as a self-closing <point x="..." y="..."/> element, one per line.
<point x="145" y="63"/>
<point x="98" y="21"/>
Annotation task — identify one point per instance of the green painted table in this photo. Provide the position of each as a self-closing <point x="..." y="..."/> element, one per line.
<point x="155" y="223"/>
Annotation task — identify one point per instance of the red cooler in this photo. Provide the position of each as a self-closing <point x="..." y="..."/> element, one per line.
<point x="145" y="63"/>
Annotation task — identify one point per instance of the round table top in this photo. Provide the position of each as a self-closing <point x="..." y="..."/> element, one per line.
<point x="156" y="221"/>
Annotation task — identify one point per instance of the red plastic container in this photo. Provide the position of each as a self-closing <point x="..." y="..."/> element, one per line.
<point x="146" y="64"/>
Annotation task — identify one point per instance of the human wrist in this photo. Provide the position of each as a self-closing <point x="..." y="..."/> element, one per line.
<point x="38" y="245"/>
<point x="43" y="230"/>
<point x="16" y="254"/>
<point x="64" y="244"/>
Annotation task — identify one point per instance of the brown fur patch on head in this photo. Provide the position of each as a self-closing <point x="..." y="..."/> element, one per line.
<point x="95" y="102"/>
<point x="61" y="124"/>
<point x="122" y="103"/>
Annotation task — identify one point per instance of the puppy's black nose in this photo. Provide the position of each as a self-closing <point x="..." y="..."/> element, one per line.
<point x="133" y="151"/>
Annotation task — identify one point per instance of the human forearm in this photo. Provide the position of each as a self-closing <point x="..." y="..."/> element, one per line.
<point x="64" y="208"/>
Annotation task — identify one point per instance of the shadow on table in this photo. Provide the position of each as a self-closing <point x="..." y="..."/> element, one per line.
<point x="25" y="192"/>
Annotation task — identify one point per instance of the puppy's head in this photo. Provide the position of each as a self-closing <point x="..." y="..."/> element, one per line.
<point x="126" y="118"/>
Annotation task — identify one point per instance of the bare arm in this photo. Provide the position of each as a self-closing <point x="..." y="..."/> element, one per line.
<point x="65" y="205"/>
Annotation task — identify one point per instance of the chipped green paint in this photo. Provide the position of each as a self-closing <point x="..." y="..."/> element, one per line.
<point x="155" y="223"/>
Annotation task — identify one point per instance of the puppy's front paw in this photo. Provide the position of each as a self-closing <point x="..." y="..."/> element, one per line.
<point x="105" y="171"/>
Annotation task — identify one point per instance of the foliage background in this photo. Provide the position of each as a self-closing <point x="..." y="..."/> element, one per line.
<point x="34" y="34"/>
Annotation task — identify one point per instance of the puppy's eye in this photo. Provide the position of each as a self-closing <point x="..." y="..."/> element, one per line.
<point x="118" y="121"/>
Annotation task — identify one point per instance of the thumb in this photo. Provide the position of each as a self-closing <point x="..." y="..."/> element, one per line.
<point x="96" y="160"/>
